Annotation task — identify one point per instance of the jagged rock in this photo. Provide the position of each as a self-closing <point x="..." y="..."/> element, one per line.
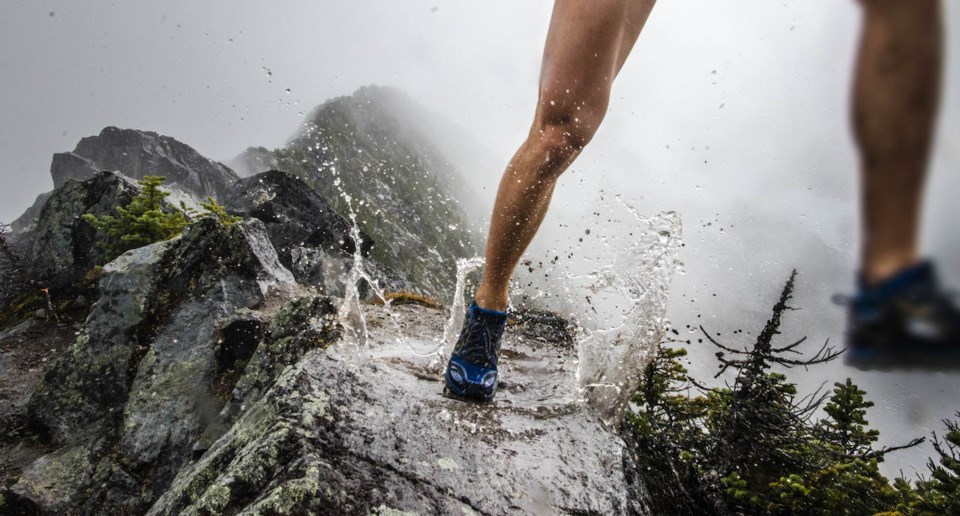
<point x="152" y="364"/>
<point x="69" y="165"/>
<point x="325" y="270"/>
<point x="296" y="218"/>
<point x="302" y="325"/>
<point x="63" y="244"/>
<point x="362" y="148"/>
<point x="312" y="240"/>
<point x="142" y="153"/>
<point x="50" y="483"/>
<point x="333" y="437"/>
<point x="301" y="429"/>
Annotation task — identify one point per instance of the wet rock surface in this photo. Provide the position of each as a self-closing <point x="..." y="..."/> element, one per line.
<point x="63" y="245"/>
<point x="215" y="374"/>
<point x="311" y="239"/>
<point x="379" y="436"/>
<point x="126" y="403"/>
<point x="26" y="352"/>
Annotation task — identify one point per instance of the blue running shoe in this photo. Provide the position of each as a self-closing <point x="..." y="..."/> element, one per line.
<point x="472" y="371"/>
<point x="906" y="321"/>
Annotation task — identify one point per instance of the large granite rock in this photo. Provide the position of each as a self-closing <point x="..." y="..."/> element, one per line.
<point x="377" y="437"/>
<point x="240" y="406"/>
<point x="311" y="239"/>
<point x="62" y="244"/>
<point x="295" y="215"/>
<point x="151" y="368"/>
<point x="137" y="154"/>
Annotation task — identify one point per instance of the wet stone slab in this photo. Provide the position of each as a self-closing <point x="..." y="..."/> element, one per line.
<point x="538" y="359"/>
<point x="377" y="435"/>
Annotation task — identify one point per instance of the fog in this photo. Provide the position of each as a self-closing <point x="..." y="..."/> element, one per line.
<point x="733" y="114"/>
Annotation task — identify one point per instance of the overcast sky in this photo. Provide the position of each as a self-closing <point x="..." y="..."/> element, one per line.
<point x="732" y="113"/>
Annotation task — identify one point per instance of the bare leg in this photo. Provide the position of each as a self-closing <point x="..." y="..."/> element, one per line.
<point x="896" y="96"/>
<point x="587" y="44"/>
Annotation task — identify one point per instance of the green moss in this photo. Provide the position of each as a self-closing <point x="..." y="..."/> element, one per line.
<point x="290" y="496"/>
<point x="21" y="309"/>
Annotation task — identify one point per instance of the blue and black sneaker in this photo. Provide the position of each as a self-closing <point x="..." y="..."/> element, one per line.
<point x="906" y="321"/>
<point x="472" y="371"/>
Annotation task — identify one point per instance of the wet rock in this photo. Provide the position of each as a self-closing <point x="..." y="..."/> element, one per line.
<point x="151" y="365"/>
<point x="302" y="325"/>
<point x="63" y="244"/>
<point x="91" y="380"/>
<point x="332" y="437"/>
<point x="327" y="271"/>
<point x="51" y="483"/>
<point x="300" y="223"/>
<point x="142" y="153"/>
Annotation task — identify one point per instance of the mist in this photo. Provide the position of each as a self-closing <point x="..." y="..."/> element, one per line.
<point x="734" y="115"/>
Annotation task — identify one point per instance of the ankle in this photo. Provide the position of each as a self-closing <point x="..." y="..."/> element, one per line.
<point x="497" y="302"/>
<point x="881" y="271"/>
<point x="919" y="275"/>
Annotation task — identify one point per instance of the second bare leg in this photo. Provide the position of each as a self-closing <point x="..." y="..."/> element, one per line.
<point x="896" y="96"/>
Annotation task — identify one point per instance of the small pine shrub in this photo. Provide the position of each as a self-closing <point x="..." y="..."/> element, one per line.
<point x="141" y="222"/>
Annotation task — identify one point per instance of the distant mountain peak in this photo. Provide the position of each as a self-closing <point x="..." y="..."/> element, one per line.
<point x="137" y="153"/>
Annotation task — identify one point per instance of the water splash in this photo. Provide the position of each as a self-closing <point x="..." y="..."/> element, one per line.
<point x="458" y="309"/>
<point x="614" y="282"/>
<point x="353" y="346"/>
<point x="633" y="291"/>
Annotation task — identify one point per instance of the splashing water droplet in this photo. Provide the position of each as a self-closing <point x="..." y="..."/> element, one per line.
<point x="451" y="330"/>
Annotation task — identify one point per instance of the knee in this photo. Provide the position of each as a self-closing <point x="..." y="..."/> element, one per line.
<point x="563" y="128"/>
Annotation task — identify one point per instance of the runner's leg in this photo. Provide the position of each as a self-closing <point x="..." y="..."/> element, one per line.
<point x="587" y="43"/>
<point x="896" y="96"/>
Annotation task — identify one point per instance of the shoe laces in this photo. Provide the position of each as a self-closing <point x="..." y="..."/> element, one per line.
<point x="480" y="343"/>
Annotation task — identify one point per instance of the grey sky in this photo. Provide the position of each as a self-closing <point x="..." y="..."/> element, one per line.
<point x="731" y="112"/>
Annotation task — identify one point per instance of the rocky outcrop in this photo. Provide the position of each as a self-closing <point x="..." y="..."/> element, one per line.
<point x="296" y="218"/>
<point x="335" y="437"/>
<point x="311" y="239"/>
<point x="136" y="154"/>
<point x="216" y="374"/>
<point x="62" y="244"/>
<point x="149" y="371"/>
<point x="196" y="387"/>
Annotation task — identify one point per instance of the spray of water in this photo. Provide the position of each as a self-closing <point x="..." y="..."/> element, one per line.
<point x="458" y="309"/>
<point x="614" y="282"/>
<point x="353" y="345"/>
<point x="617" y="293"/>
<point x="637" y="282"/>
